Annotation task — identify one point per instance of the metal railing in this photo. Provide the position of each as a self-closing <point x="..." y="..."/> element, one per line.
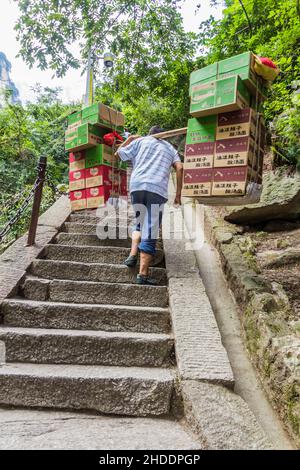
<point x="34" y="195"/>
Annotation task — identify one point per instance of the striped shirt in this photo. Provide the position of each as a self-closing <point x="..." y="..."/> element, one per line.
<point x="152" y="160"/>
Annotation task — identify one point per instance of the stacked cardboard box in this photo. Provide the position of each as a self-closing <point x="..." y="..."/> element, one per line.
<point x="222" y="153"/>
<point x="95" y="174"/>
<point x="225" y="137"/>
<point x="241" y="65"/>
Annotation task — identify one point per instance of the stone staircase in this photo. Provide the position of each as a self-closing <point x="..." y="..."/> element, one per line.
<point x="82" y="335"/>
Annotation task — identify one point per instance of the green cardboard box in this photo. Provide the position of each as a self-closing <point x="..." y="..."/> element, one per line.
<point x="105" y="114"/>
<point x="250" y="79"/>
<point x="219" y="96"/>
<point x="100" y="155"/>
<point x="201" y="130"/>
<point x="86" y="129"/>
<point x="74" y="118"/>
<point x="235" y="62"/>
<point x="241" y="64"/>
<point x="204" y="75"/>
<point x="71" y="144"/>
<point x="83" y="137"/>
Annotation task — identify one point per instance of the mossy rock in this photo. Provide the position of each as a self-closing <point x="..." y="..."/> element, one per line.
<point x="280" y="200"/>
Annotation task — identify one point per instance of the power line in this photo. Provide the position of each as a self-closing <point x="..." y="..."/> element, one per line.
<point x="248" y="19"/>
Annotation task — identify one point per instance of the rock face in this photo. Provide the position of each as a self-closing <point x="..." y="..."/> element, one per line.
<point x="280" y="201"/>
<point x="5" y="80"/>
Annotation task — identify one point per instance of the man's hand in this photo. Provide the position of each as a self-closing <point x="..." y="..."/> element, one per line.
<point x="177" y="200"/>
<point x="179" y="180"/>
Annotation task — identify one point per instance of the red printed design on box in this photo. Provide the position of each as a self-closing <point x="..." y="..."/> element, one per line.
<point x="199" y="155"/>
<point x="229" y="181"/>
<point x="76" y="180"/>
<point x="205" y="148"/>
<point x="238" y="144"/>
<point x="77" y="161"/>
<point x="78" y="200"/>
<point x="198" y="162"/>
<point x="98" y="176"/>
<point x="239" y="123"/>
<point x="236" y="117"/>
<point x="197" y="182"/>
<point x="230" y="174"/>
<point x="194" y="176"/>
<point x="97" y="196"/>
<point x="234" y="152"/>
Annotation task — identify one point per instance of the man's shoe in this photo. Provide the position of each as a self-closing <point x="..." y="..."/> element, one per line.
<point x="131" y="261"/>
<point x="145" y="280"/>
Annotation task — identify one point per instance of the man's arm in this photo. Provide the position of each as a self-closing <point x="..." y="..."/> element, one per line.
<point x="128" y="141"/>
<point x="179" y="180"/>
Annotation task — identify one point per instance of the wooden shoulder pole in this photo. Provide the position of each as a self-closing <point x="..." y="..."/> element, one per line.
<point x="173" y="133"/>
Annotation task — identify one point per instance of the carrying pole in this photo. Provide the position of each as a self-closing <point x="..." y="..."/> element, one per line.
<point x="173" y="133"/>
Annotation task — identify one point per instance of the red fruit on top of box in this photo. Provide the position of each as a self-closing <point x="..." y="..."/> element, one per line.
<point x="97" y="196"/>
<point x="77" y="161"/>
<point x="99" y="175"/>
<point x="76" y="180"/>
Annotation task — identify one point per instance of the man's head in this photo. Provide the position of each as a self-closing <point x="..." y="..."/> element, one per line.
<point x="156" y="130"/>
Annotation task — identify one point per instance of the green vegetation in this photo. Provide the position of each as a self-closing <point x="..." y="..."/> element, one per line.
<point x="154" y="57"/>
<point x="26" y="132"/>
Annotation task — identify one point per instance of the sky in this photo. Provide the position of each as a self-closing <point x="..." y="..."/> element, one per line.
<point x="73" y="84"/>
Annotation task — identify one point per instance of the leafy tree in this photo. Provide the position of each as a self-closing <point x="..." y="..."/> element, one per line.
<point x="274" y="32"/>
<point x="271" y="29"/>
<point x="26" y="132"/>
<point x="144" y="36"/>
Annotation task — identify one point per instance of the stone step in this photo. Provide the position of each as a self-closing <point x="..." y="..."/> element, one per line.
<point x="111" y="390"/>
<point x="96" y="272"/>
<point x="94" y="292"/>
<point x="93" y="254"/>
<point x="49" y="346"/>
<point x="84" y="239"/>
<point x="34" y="314"/>
<point x="91" y="229"/>
<point x="91" y="219"/>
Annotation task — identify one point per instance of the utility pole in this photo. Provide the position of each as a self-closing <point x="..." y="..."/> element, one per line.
<point x="89" y="89"/>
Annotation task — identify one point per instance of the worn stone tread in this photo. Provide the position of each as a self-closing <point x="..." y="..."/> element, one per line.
<point x="87" y="347"/>
<point x="91" y="228"/>
<point x="95" y="272"/>
<point x="91" y="239"/>
<point x="37" y="314"/>
<point x="118" y="390"/>
<point x="93" y="254"/>
<point x="95" y="292"/>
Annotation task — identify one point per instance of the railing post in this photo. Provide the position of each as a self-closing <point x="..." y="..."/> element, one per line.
<point x="37" y="201"/>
